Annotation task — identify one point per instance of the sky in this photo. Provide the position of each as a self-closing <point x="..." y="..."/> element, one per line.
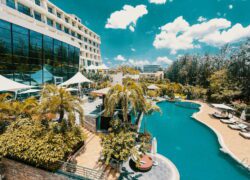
<point x="139" y="32"/>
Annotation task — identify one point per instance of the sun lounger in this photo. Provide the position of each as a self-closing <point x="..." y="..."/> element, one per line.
<point x="228" y="121"/>
<point x="219" y="116"/>
<point x="245" y="135"/>
<point x="238" y="126"/>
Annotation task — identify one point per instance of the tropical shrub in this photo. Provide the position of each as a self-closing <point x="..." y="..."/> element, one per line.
<point x="152" y="93"/>
<point x="58" y="100"/>
<point x="119" y="143"/>
<point x="39" y="143"/>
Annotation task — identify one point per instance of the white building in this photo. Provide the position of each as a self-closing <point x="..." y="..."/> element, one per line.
<point x="46" y="18"/>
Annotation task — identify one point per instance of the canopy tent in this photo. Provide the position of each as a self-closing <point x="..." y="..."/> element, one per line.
<point x="223" y="106"/>
<point x="37" y="76"/>
<point x="10" y="85"/>
<point x="153" y="87"/>
<point x="78" y="78"/>
<point x="101" y="92"/>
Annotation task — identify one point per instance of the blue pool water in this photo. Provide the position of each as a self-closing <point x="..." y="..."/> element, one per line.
<point x="190" y="145"/>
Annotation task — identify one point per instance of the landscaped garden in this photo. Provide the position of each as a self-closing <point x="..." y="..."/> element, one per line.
<point x="41" y="133"/>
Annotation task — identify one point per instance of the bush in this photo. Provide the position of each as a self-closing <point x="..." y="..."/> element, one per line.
<point x="38" y="143"/>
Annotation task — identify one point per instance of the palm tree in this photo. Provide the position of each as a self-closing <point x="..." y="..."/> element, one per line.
<point x="128" y="94"/>
<point x="57" y="100"/>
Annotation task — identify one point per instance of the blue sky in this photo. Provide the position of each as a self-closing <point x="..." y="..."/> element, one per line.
<point x="141" y="32"/>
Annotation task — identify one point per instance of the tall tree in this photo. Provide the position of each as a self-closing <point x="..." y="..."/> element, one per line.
<point x="129" y="94"/>
<point x="58" y="100"/>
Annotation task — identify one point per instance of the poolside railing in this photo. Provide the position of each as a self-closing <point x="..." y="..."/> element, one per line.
<point x="74" y="171"/>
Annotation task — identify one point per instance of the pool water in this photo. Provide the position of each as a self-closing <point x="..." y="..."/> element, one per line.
<point x="190" y="145"/>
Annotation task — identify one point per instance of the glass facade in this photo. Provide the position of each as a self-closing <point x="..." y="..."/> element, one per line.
<point x="32" y="58"/>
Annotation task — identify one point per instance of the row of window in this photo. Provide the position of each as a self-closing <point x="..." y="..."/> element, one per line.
<point x="26" y="10"/>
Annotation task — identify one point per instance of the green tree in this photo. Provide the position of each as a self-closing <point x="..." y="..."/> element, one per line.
<point x="222" y="88"/>
<point x="130" y="94"/>
<point x="58" y="100"/>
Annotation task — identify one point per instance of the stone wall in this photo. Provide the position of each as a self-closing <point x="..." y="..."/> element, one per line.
<point x="18" y="171"/>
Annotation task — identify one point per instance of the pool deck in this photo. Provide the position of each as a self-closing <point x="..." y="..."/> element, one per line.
<point x="165" y="170"/>
<point x="230" y="140"/>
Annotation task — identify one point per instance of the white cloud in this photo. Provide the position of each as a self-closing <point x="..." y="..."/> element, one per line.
<point x="135" y="62"/>
<point x="164" y="60"/>
<point x="158" y="1"/>
<point x="126" y="18"/>
<point x="230" y="6"/>
<point x="180" y="35"/>
<point x="201" y="19"/>
<point x="133" y="49"/>
<point x="120" y="58"/>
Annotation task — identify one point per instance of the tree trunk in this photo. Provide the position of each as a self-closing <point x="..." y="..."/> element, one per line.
<point x="61" y="116"/>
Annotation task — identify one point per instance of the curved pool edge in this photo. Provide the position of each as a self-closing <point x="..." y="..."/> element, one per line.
<point x="171" y="165"/>
<point x="223" y="145"/>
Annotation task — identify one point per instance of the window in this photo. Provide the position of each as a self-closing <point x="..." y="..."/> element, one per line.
<point x="73" y="33"/>
<point x="38" y="16"/>
<point x="59" y="14"/>
<point x="5" y="42"/>
<point x="50" y="9"/>
<point x="85" y="39"/>
<point x="79" y="36"/>
<point x="50" y="22"/>
<point x="67" y="20"/>
<point x="66" y="30"/>
<point x="38" y="2"/>
<point x="11" y="3"/>
<point x="58" y="26"/>
<point x="23" y="9"/>
<point x="20" y="43"/>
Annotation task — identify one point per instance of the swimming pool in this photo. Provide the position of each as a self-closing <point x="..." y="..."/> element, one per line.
<point x="190" y="145"/>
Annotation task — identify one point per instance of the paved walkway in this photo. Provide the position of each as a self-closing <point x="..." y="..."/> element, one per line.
<point x="90" y="155"/>
<point x="238" y="146"/>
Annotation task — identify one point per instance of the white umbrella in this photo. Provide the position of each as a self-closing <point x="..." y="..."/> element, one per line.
<point x="153" y="87"/>
<point x="30" y="91"/>
<point x="154" y="146"/>
<point x="10" y="85"/>
<point x="222" y="106"/>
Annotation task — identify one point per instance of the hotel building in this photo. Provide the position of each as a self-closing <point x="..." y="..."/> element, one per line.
<point x="40" y="43"/>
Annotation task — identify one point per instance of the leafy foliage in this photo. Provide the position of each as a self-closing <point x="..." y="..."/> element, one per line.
<point x="58" y="100"/>
<point x="120" y="143"/>
<point x="39" y="143"/>
<point x="225" y="75"/>
<point x="129" y="94"/>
